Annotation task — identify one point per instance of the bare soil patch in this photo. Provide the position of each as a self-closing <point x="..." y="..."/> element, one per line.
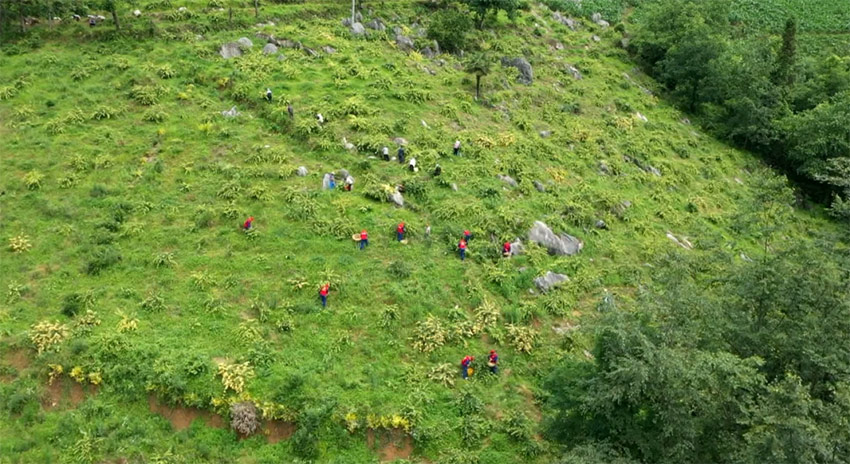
<point x="390" y="444"/>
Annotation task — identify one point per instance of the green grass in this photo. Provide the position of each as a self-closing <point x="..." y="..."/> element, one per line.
<point x="144" y="185"/>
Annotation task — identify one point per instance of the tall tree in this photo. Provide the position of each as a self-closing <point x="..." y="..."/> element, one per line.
<point x="112" y="6"/>
<point x="783" y="74"/>
<point x="480" y="65"/>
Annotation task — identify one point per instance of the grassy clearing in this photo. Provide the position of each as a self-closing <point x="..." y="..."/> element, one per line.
<point x="130" y="188"/>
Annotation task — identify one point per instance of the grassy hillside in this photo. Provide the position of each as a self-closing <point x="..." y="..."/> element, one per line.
<point x="124" y="188"/>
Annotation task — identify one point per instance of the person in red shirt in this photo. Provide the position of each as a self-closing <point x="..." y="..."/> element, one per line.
<point x="364" y="239"/>
<point x="323" y="294"/>
<point x="506" y="249"/>
<point x="464" y="366"/>
<point x="400" y="230"/>
<point x="248" y="223"/>
<point x="462" y="247"/>
<point x="493" y="361"/>
<point x="467" y="235"/>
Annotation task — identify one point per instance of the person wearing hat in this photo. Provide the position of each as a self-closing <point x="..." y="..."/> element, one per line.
<point x="364" y="239"/>
<point x="461" y="246"/>
<point x="268" y="95"/>
<point x="400" y="230"/>
<point x="323" y="294"/>
<point x="493" y="361"/>
<point x="248" y="223"/>
<point x="464" y="366"/>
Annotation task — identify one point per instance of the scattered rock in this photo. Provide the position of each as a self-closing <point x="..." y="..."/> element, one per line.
<point x="328" y="49"/>
<point x="231" y="113"/>
<point x="269" y="49"/>
<point x="597" y="18"/>
<point x="427" y="52"/>
<point x="301" y="171"/>
<point x="182" y="8"/>
<point x="545" y="133"/>
<point x="600" y="224"/>
<point x="685" y="121"/>
<point x="310" y="52"/>
<point x="595" y="38"/>
<point x="396" y="198"/>
<point x="565" y="329"/>
<point x="587" y="354"/>
<point x="230" y="50"/>
<point x="358" y="29"/>
<point x="424" y="124"/>
<point x="436" y="47"/>
<point x="346" y="144"/>
<point x="549" y="281"/>
<point x="137" y="13"/>
<point x="573" y="72"/>
<point x="569" y="22"/>
<point x="358" y="17"/>
<point x="739" y="181"/>
<point x="604" y="169"/>
<point x="343" y="173"/>
<point x="640" y="116"/>
<point x="517" y="248"/>
<point x="377" y="25"/>
<point x="557" y="45"/>
<point x="682" y="242"/>
<point x="287" y="43"/>
<point x="624" y="42"/>
<point x="526" y="73"/>
<point x="454" y="187"/>
<point x="346" y="22"/>
<point x="508" y="180"/>
<point x="281" y="57"/>
<point x="539" y="186"/>
<point x="746" y="258"/>
<point x="404" y="43"/>
<point x="244" y="43"/>
<point x="563" y="244"/>
<point x="652" y="170"/>
<point x="400" y="141"/>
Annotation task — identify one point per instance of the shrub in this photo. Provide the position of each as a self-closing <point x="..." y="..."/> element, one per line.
<point x="522" y="338"/>
<point x="430" y="334"/>
<point x="74" y="302"/>
<point x="449" y="27"/>
<point x="244" y="418"/>
<point x="33" y="180"/>
<point x="47" y="335"/>
<point x="19" y="243"/>
<point x="233" y="376"/>
<point x="102" y="259"/>
<point x="399" y="270"/>
<point x="444" y="373"/>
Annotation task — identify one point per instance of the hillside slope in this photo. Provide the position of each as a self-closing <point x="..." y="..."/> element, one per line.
<point x="130" y="186"/>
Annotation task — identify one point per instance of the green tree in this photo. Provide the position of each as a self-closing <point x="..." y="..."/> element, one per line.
<point x="483" y="8"/>
<point x="480" y="65"/>
<point x="112" y="7"/>
<point x="449" y="27"/>
<point x="787" y="56"/>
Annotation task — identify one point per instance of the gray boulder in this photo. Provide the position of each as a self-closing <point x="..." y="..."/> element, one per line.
<point x="396" y="198"/>
<point x="404" y="43"/>
<point x="517" y="248"/>
<point x="604" y="169"/>
<point x="508" y="180"/>
<point x="595" y="38"/>
<point x="343" y="173"/>
<point x="573" y="71"/>
<point x="377" y="25"/>
<point x="539" y="186"/>
<point x="301" y="171"/>
<point x="281" y="57"/>
<point x="328" y="49"/>
<point x="569" y="22"/>
<point x="597" y="18"/>
<point x="231" y="113"/>
<point x="526" y="73"/>
<point x="563" y="244"/>
<point x="230" y="50"/>
<point x="600" y="224"/>
<point x="310" y="52"/>
<point x="346" y="22"/>
<point x="427" y="52"/>
<point x="545" y="133"/>
<point x="549" y="281"/>
<point x="269" y="49"/>
<point x="358" y="29"/>
<point x="400" y="141"/>
<point x="245" y="43"/>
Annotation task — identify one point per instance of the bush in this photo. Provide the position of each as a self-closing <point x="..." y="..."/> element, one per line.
<point x="244" y="418"/>
<point x="449" y="28"/>
<point x="102" y="259"/>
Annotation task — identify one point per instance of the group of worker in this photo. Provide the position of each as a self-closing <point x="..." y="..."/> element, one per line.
<point x="466" y="364"/>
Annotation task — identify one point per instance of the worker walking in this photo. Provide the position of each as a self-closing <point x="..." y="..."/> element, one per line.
<point x="465" y="366"/>
<point x="385" y="153"/>
<point x="400" y="230"/>
<point x="268" y="95"/>
<point x="323" y="294"/>
<point x="457" y="147"/>
<point x="493" y="362"/>
<point x="364" y="239"/>
<point x="248" y="223"/>
<point x="400" y="155"/>
<point x="462" y="248"/>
